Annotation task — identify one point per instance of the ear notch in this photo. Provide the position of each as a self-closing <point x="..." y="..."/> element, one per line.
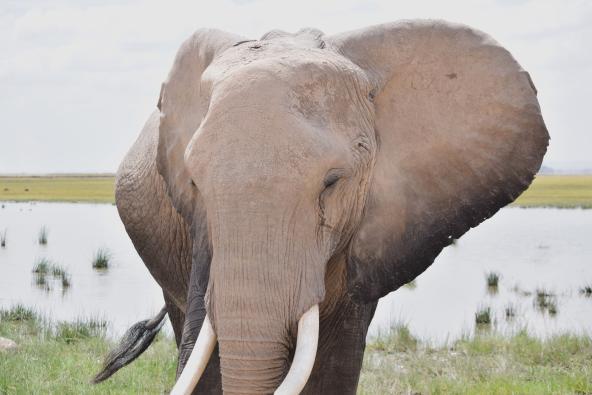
<point x="460" y="135"/>
<point x="182" y="106"/>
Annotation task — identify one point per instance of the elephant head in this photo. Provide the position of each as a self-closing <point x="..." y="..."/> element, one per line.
<point x="363" y="154"/>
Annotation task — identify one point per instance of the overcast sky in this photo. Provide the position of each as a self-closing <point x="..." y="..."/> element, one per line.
<point x="79" y="78"/>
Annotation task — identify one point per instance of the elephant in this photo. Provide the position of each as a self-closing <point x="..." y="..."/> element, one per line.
<point x="283" y="185"/>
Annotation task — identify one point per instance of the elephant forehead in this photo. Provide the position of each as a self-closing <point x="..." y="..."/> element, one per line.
<point x="321" y="88"/>
<point x="280" y="62"/>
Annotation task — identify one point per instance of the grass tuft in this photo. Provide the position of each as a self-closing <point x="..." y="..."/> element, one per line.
<point x="18" y="313"/>
<point x="42" y="236"/>
<point x="397" y="339"/>
<point x="101" y="259"/>
<point x="483" y="316"/>
<point x="71" y="332"/>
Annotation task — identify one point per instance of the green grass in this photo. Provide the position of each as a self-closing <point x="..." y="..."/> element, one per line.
<point x="558" y="191"/>
<point x="101" y="259"/>
<point x="80" y="329"/>
<point x="97" y="189"/>
<point x="546" y="190"/>
<point x="61" y="358"/>
<point x="398" y="339"/>
<point x="488" y="363"/>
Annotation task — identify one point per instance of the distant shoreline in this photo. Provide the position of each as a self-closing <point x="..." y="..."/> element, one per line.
<point x="548" y="190"/>
<point x="95" y="188"/>
<point x="56" y="175"/>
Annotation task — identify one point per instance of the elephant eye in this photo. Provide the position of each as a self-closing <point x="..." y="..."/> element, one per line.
<point x="331" y="178"/>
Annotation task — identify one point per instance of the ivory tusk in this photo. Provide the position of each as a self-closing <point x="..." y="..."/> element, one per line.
<point x="198" y="360"/>
<point x="304" y="357"/>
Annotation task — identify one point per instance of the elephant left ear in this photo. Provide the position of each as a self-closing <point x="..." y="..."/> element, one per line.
<point x="460" y="135"/>
<point x="182" y="106"/>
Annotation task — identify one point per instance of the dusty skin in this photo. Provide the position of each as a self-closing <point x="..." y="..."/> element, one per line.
<point x="304" y="169"/>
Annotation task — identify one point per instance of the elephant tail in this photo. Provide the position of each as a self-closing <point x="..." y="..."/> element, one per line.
<point x="133" y="343"/>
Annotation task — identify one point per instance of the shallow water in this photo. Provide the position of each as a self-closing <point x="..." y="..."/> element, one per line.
<point x="123" y="294"/>
<point x="531" y="249"/>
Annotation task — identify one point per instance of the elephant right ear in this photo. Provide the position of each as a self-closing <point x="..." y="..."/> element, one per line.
<point x="460" y="135"/>
<point x="182" y="107"/>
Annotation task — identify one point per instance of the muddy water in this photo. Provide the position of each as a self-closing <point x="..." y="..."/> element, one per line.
<point x="531" y="249"/>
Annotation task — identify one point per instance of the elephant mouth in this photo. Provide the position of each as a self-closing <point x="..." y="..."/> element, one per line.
<point x="295" y="380"/>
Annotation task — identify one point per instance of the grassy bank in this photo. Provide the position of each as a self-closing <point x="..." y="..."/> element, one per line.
<point x="558" y="191"/>
<point x="546" y="191"/>
<point x="96" y="189"/>
<point x="489" y="363"/>
<point x="62" y="358"/>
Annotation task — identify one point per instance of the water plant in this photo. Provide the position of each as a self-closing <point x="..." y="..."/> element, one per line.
<point x="42" y="236"/>
<point x="65" y="281"/>
<point x="492" y="279"/>
<point x="44" y="267"/>
<point x="41" y="280"/>
<point x="545" y="301"/>
<point x="3" y="239"/>
<point x="510" y="311"/>
<point x="483" y="316"/>
<point x="101" y="259"/>
<point x="586" y="290"/>
<point x="57" y="271"/>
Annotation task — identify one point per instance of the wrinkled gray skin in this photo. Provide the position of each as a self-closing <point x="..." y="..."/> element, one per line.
<point x="303" y="169"/>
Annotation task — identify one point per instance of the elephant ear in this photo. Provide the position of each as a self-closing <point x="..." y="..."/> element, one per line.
<point x="182" y="107"/>
<point x="460" y="135"/>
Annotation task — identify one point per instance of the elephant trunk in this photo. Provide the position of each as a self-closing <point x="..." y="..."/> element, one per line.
<point x="264" y="277"/>
<point x="252" y="366"/>
<point x="255" y="309"/>
<point x="257" y="367"/>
